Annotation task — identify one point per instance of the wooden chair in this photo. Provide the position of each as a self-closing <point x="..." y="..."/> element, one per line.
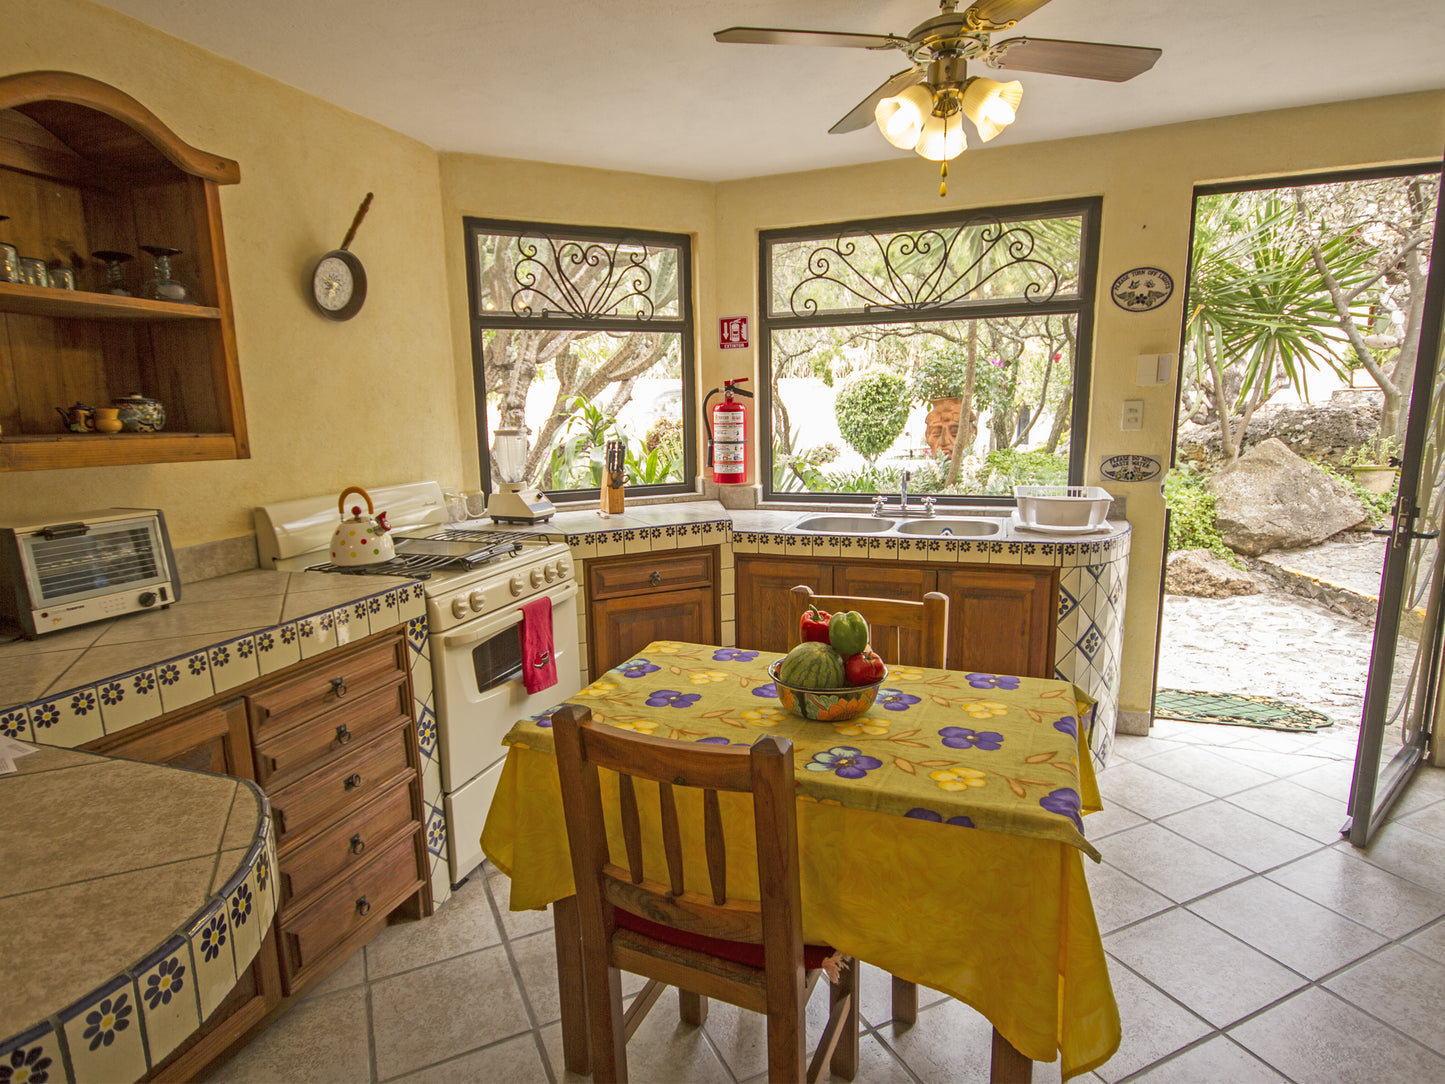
<point x="747" y="952"/>
<point x="888" y="619"/>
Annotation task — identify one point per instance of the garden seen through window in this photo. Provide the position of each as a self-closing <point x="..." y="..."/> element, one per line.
<point x="584" y="336"/>
<point x="954" y="347"/>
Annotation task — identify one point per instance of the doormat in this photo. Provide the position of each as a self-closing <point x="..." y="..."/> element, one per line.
<point x="1234" y="709"/>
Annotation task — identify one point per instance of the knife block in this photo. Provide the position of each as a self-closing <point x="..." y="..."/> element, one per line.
<point x="612" y="497"/>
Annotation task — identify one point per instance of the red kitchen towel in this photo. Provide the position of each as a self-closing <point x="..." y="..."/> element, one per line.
<point x="539" y="661"/>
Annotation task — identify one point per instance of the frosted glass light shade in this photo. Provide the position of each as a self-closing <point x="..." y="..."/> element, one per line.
<point x="901" y="117"/>
<point x="942" y="138"/>
<point x="991" y="105"/>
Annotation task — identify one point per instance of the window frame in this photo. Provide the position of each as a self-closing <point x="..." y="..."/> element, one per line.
<point x="682" y="325"/>
<point x="1089" y="209"/>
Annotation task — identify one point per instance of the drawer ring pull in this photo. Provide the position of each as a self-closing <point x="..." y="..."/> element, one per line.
<point x="342" y="734"/>
<point x="353" y="781"/>
<point x="338" y="686"/>
<point x="363" y="907"/>
<point x="357" y="844"/>
<point x="655" y="578"/>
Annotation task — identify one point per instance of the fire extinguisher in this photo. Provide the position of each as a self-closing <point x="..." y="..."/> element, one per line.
<point x="727" y="433"/>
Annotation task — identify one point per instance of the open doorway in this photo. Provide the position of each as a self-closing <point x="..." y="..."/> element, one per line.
<point x="1301" y="339"/>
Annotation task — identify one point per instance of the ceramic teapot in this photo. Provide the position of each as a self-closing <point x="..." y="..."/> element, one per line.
<point x="139" y="414"/>
<point x="362" y="539"/>
<point x="78" y="418"/>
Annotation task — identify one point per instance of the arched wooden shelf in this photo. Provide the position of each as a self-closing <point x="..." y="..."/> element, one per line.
<point x="84" y="168"/>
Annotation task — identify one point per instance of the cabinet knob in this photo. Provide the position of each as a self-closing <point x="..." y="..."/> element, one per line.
<point x="357" y="844"/>
<point x="655" y="578"/>
<point x="342" y="734"/>
<point x="338" y="686"/>
<point x="363" y="906"/>
<point x="353" y="781"/>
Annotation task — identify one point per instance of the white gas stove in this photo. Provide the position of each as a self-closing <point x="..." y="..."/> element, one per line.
<point x="476" y="577"/>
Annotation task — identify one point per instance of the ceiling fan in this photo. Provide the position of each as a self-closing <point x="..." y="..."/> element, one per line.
<point x="919" y="108"/>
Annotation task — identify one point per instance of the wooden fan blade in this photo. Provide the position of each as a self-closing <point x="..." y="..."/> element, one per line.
<point x="1084" y="59"/>
<point x="1002" y="12"/>
<point x="861" y="115"/>
<point x="762" y="35"/>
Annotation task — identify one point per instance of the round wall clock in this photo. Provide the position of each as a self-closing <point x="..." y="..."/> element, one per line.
<point x="1142" y="289"/>
<point x="338" y="284"/>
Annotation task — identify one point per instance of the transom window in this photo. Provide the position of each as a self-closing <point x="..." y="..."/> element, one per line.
<point x="584" y="336"/>
<point x="954" y="347"/>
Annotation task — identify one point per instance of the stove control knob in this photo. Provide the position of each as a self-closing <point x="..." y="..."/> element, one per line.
<point x="459" y="607"/>
<point x="515" y="585"/>
<point x="549" y="572"/>
<point x="477" y="600"/>
<point x="536" y="577"/>
<point x="563" y="568"/>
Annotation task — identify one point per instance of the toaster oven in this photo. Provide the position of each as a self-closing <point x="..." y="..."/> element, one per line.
<point x="93" y="566"/>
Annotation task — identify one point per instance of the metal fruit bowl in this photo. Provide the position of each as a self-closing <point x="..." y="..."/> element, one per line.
<point x="825" y="705"/>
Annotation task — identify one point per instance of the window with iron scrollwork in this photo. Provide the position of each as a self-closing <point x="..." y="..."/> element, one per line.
<point x="952" y="347"/>
<point x="583" y="335"/>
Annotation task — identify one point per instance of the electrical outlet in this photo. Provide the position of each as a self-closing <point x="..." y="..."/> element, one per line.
<point x="1133" y="414"/>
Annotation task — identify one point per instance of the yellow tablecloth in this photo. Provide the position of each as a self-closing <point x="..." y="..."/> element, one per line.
<point x="965" y="876"/>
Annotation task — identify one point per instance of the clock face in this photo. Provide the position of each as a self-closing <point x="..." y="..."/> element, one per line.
<point x="338" y="286"/>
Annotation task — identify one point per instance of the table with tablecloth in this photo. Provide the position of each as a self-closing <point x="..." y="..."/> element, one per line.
<point x="941" y="833"/>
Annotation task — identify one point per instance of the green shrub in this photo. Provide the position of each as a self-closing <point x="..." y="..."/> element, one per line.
<point x="1379" y="505"/>
<point x="1014" y="467"/>
<point x="1191" y="515"/>
<point x="872" y="410"/>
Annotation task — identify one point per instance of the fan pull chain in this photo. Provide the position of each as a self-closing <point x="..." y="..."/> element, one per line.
<point x="943" y="181"/>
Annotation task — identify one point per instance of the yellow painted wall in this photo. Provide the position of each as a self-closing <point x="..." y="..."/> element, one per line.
<point x="369" y="401"/>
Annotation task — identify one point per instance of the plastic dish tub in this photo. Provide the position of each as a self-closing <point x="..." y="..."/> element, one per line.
<point x="1062" y="506"/>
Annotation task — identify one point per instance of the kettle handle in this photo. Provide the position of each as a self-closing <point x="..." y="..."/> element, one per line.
<point x="348" y="491"/>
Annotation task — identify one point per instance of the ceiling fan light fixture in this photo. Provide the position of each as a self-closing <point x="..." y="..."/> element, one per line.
<point x="991" y="105"/>
<point x="900" y="118"/>
<point x="942" y="138"/>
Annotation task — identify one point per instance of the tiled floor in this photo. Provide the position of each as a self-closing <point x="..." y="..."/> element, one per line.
<point x="1247" y="943"/>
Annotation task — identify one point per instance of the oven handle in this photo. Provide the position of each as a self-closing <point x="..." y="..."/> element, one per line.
<point x="476" y="631"/>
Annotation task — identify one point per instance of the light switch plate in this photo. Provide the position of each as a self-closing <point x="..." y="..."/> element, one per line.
<point x="1155" y="369"/>
<point x="1133" y="414"/>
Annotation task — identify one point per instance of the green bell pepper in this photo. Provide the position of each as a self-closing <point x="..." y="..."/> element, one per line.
<point x="848" y="632"/>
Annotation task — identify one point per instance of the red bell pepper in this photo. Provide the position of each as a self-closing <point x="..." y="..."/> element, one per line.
<point x="863" y="668"/>
<point x="813" y="625"/>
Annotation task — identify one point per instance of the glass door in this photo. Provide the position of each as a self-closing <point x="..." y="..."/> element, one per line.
<point x="1404" y="677"/>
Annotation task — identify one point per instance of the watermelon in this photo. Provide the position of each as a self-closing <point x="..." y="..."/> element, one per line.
<point x="812" y="665"/>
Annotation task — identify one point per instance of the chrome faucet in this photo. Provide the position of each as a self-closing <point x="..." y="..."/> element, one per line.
<point x="903" y="493"/>
<point x="880" y="506"/>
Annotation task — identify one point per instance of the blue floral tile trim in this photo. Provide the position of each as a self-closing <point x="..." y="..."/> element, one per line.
<point x="99" y="1018"/>
<point x="32" y="1057"/>
<point x="15" y="723"/>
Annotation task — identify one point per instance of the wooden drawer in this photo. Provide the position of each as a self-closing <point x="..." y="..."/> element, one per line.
<point x="359" y="903"/>
<point x="343" y="785"/>
<point x="292" y="753"/>
<point x="635" y="575"/>
<point x="349" y="843"/>
<point x="332" y="680"/>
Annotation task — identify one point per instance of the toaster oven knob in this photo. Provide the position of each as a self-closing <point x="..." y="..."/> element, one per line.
<point x="536" y="577"/>
<point x="477" y="600"/>
<point x="549" y="572"/>
<point x="147" y="598"/>
<point x="515" y="585"/>
<point x="459" y="607"/>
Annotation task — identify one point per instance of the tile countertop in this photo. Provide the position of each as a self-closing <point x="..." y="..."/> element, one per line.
<point x="67" y="688"/>
<point x="133" y="894"/>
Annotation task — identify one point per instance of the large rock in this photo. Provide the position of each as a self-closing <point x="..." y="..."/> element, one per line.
<point x="1203" y="575"/>
<point x="1272" y="499"/>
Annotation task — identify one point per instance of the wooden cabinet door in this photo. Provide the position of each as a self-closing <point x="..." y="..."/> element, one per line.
<point x="1001" y="621"/>
<point x="622" y="626"/>
<point x="211" y="739"/>
<point x="764" y="605"/>
<point x="879" y="579"/>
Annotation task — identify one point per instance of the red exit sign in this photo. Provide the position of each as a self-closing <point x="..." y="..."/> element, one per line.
<point x="732" y="333"/>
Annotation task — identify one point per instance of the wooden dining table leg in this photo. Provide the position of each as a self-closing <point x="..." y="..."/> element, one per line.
<point x="1008" y="1066"/>
<point x="567" y="933"/>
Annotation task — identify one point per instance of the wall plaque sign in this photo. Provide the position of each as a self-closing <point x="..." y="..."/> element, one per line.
<point x="1142" y="289"/>
<point x="732" y="333"/>
<point x="1131" y="468"/>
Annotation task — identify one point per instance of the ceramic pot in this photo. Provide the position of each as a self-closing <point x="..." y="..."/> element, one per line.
<point x="107" y="420"/>
<point x="139" y="414"/>
<point x="78" y="418"/>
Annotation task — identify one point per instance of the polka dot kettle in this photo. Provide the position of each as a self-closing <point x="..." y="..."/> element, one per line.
<point x="362" y="539"/>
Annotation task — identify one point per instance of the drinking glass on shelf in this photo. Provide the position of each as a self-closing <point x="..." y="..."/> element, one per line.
<point x="33" y="271"/>
<point x="9" y="259"/>
<point x="160" y="285"/>
<point x="114" y="271"/>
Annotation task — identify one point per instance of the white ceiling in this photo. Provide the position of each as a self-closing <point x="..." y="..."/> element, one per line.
<point x="641" y="84"/>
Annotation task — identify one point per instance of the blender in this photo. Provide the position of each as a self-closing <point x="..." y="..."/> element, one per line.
<point x="513" y="502"/>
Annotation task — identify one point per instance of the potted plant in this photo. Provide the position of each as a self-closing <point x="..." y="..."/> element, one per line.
<point x="1374" y="463"/>
<point x="935" y="377"/>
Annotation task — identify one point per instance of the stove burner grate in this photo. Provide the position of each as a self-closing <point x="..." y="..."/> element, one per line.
<point x="468" y="534"/>
<point x="416" y="567"/>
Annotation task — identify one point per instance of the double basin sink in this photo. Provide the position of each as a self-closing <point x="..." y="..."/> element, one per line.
<point x="928" y="526"/>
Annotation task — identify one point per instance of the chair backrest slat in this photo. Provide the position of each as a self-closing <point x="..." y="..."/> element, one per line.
<point x="671" y="839"/>
<point x="887" y="620"/>
<point x="714" y="846"/>
<point x="631" y="826"/>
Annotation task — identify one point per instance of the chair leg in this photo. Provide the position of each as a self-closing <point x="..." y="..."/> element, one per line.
<point x="787" y="1042"/>
<point x="1008" y="1065"/>
<point x="691" y="1008"/>
<point x="905" y="1003"/>
<point x="843" y="998"/>
<point x="567" y="936"/>
<point x="605" y="1023"/>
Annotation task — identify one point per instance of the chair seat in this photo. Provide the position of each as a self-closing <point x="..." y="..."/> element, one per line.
<point x="741" y="952"/>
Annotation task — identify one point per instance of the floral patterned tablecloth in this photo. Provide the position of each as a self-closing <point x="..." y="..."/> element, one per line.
<point x="987" y="751"/>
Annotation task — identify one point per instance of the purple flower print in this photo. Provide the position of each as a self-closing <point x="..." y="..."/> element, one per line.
<point x="960" y="737"/>
<point x="844" y="761"/>
<point x="1064" y="802"/>
<point x="638" y="667"/>
<point x="769" y="690"/>
<point x="992" y="681"/>
<point x="717" y="739"/>
<point x="895" y="700"/>
<point x="671" y="698"/>
<point x="1068" y="725"/>
<point x="920" y="814"/>
<point x="733" y="654"/>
